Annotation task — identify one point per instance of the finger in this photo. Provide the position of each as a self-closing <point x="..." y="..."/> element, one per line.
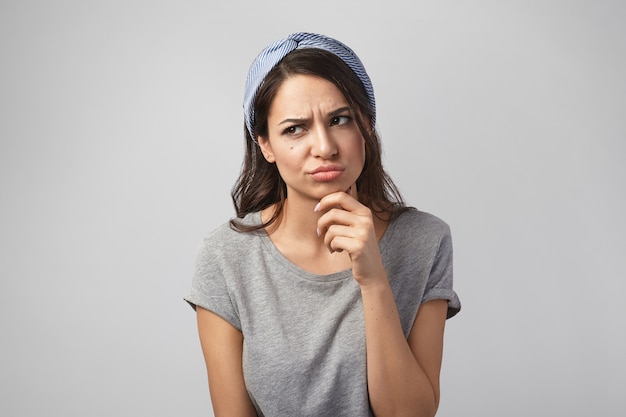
<point x="341" y="243"/>
<point x="336" y="242"/>
<point x="335" y="231"/>
<point x="336" y="216"/>
<point x="352" y="228"/>
<point x="338" y="200"/>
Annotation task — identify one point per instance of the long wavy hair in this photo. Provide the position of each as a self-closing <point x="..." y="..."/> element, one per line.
<point x="260" y="185"/>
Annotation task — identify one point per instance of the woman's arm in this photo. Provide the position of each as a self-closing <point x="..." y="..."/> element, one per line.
<point x="222" y="346"/>
<point x="403" y="376"/>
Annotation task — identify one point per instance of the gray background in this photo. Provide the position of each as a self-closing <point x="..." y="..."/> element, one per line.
<point x="121" y="136"/>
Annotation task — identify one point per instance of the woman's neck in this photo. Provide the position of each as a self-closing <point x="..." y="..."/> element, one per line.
<point x="294" y="234"/>
<point x="297" y="220"/>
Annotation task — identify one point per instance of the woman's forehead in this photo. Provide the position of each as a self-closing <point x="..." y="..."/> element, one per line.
<point x="304" y="94"/>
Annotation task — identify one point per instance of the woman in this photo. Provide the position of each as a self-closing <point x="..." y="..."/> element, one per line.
<point x="326" y="296"/>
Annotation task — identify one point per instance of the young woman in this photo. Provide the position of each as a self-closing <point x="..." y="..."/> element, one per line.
<point x="326" y="295"/>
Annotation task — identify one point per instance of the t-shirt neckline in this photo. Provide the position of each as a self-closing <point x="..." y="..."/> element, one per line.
<point x="255" y="218"/>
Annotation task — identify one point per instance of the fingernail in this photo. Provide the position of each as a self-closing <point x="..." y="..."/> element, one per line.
<point x="317" y="207"/>
<point x="318" y="232"/>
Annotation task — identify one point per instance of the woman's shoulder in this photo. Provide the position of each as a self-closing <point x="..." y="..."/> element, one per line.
<point x="226" y="236"/>
<point x="412" y="230"/>
<point x="411" y="218"/>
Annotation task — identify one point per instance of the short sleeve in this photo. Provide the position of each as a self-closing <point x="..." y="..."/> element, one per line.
<point x="440" y="280"/>
<point x="209" y="288"/>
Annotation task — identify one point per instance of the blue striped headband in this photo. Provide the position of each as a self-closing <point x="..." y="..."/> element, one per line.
<point x="276" y="51"/>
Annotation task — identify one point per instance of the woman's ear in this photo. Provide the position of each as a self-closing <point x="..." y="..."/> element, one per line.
<point x="266" y="149"/>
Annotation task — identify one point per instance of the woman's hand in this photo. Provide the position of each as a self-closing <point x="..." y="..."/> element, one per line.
<point x="347" y="225"/>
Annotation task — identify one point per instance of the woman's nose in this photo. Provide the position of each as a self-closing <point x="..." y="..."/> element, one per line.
<point x="323" y="145"/>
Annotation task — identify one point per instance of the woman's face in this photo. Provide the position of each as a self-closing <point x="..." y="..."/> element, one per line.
<point x="313" y="138"/>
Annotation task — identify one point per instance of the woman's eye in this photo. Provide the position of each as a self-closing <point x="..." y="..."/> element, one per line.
<point x="293" y="130"/>
<point x="340" y="120"/>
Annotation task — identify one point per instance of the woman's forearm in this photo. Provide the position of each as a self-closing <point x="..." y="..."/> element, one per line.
<point x="397" y="384"/>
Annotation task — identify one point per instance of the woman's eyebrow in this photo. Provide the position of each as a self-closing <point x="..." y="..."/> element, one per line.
<point x="293" y="121"/>
<point x="300" y="120"/>
<point x="339" y="111"/>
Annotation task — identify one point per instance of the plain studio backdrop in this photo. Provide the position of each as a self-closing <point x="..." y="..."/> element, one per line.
<point x="121" y="137"/>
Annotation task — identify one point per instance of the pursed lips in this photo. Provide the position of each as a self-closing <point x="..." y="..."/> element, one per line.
<point x="327" y="172"/>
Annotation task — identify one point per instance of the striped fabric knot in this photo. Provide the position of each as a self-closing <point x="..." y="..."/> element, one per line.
<point x="277" y="50"/>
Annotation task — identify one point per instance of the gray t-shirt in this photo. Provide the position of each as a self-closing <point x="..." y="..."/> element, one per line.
<point x="304" y="336"/>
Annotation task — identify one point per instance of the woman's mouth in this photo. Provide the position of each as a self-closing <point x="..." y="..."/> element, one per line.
<point x="326" y="173"/>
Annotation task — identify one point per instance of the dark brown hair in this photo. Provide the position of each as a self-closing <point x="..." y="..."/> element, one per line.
<point x="260" y="185"/>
